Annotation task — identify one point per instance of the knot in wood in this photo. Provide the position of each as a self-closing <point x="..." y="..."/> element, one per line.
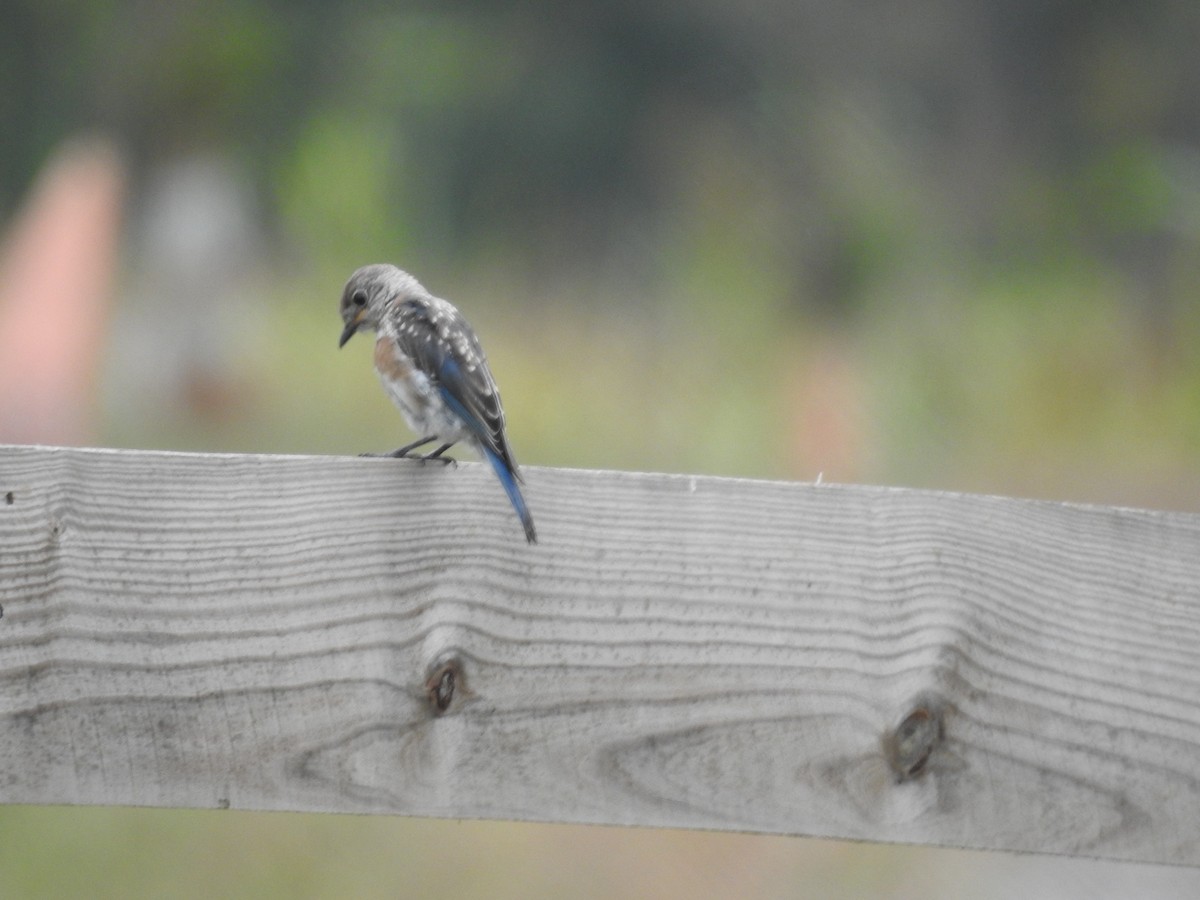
<point x="444" y="679"/>
<point x="911" y="743"/>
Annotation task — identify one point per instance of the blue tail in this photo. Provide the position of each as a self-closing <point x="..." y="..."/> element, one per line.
<point x="483" y="439"/>
<point x="513" y="490"/>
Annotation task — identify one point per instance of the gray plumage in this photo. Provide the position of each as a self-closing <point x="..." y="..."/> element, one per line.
<point x="432" y="366"/>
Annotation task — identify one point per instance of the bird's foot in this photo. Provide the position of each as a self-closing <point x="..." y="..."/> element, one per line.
<point x="429" y="457"/>
<point x="436" y="456"/>
<point x="406" y="452"/>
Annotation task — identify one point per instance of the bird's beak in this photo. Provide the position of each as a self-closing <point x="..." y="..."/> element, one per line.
<point x="351" y="327"/>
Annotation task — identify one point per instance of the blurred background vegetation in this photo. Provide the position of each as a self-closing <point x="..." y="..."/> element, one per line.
<point x="941" y="244"/>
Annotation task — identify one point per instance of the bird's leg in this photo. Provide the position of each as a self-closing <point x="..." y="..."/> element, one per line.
<point x="406" y="452"/>
<point x="406" y="449"/>
<point x="436" y="455"/>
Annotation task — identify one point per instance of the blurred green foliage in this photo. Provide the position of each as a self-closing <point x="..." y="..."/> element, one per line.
<point x="971" y="228"/>
<point x="951" y="245"/>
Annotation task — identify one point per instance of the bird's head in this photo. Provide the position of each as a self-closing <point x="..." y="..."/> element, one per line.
<point x="367" y="295"/>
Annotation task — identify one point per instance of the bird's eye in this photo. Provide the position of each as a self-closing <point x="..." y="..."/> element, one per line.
<point x="359" y="298"/>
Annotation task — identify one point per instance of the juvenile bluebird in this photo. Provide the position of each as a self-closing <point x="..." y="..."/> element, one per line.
<point x="432" y="367"/>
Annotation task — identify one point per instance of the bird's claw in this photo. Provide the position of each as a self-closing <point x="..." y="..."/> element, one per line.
<point x="402" y="454"/>
<point x="434" y="458"/>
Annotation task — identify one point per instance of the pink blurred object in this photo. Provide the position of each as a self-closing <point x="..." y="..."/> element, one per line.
<point x="57" y="264"/>
<point x="828" y="423"/>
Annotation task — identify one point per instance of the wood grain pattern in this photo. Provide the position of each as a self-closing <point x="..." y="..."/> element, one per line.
<point x="372" y="635"/>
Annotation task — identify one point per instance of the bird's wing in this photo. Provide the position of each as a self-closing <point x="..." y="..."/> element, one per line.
<point x="444" y="346"/>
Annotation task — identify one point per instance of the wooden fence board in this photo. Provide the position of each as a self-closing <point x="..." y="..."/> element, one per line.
<point x="312" y="633"/>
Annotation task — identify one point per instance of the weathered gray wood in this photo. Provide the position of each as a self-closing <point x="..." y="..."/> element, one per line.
<point x="279" y="633"/>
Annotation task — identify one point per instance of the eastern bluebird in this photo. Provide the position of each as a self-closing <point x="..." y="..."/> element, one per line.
<point x="431" y="365"/>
